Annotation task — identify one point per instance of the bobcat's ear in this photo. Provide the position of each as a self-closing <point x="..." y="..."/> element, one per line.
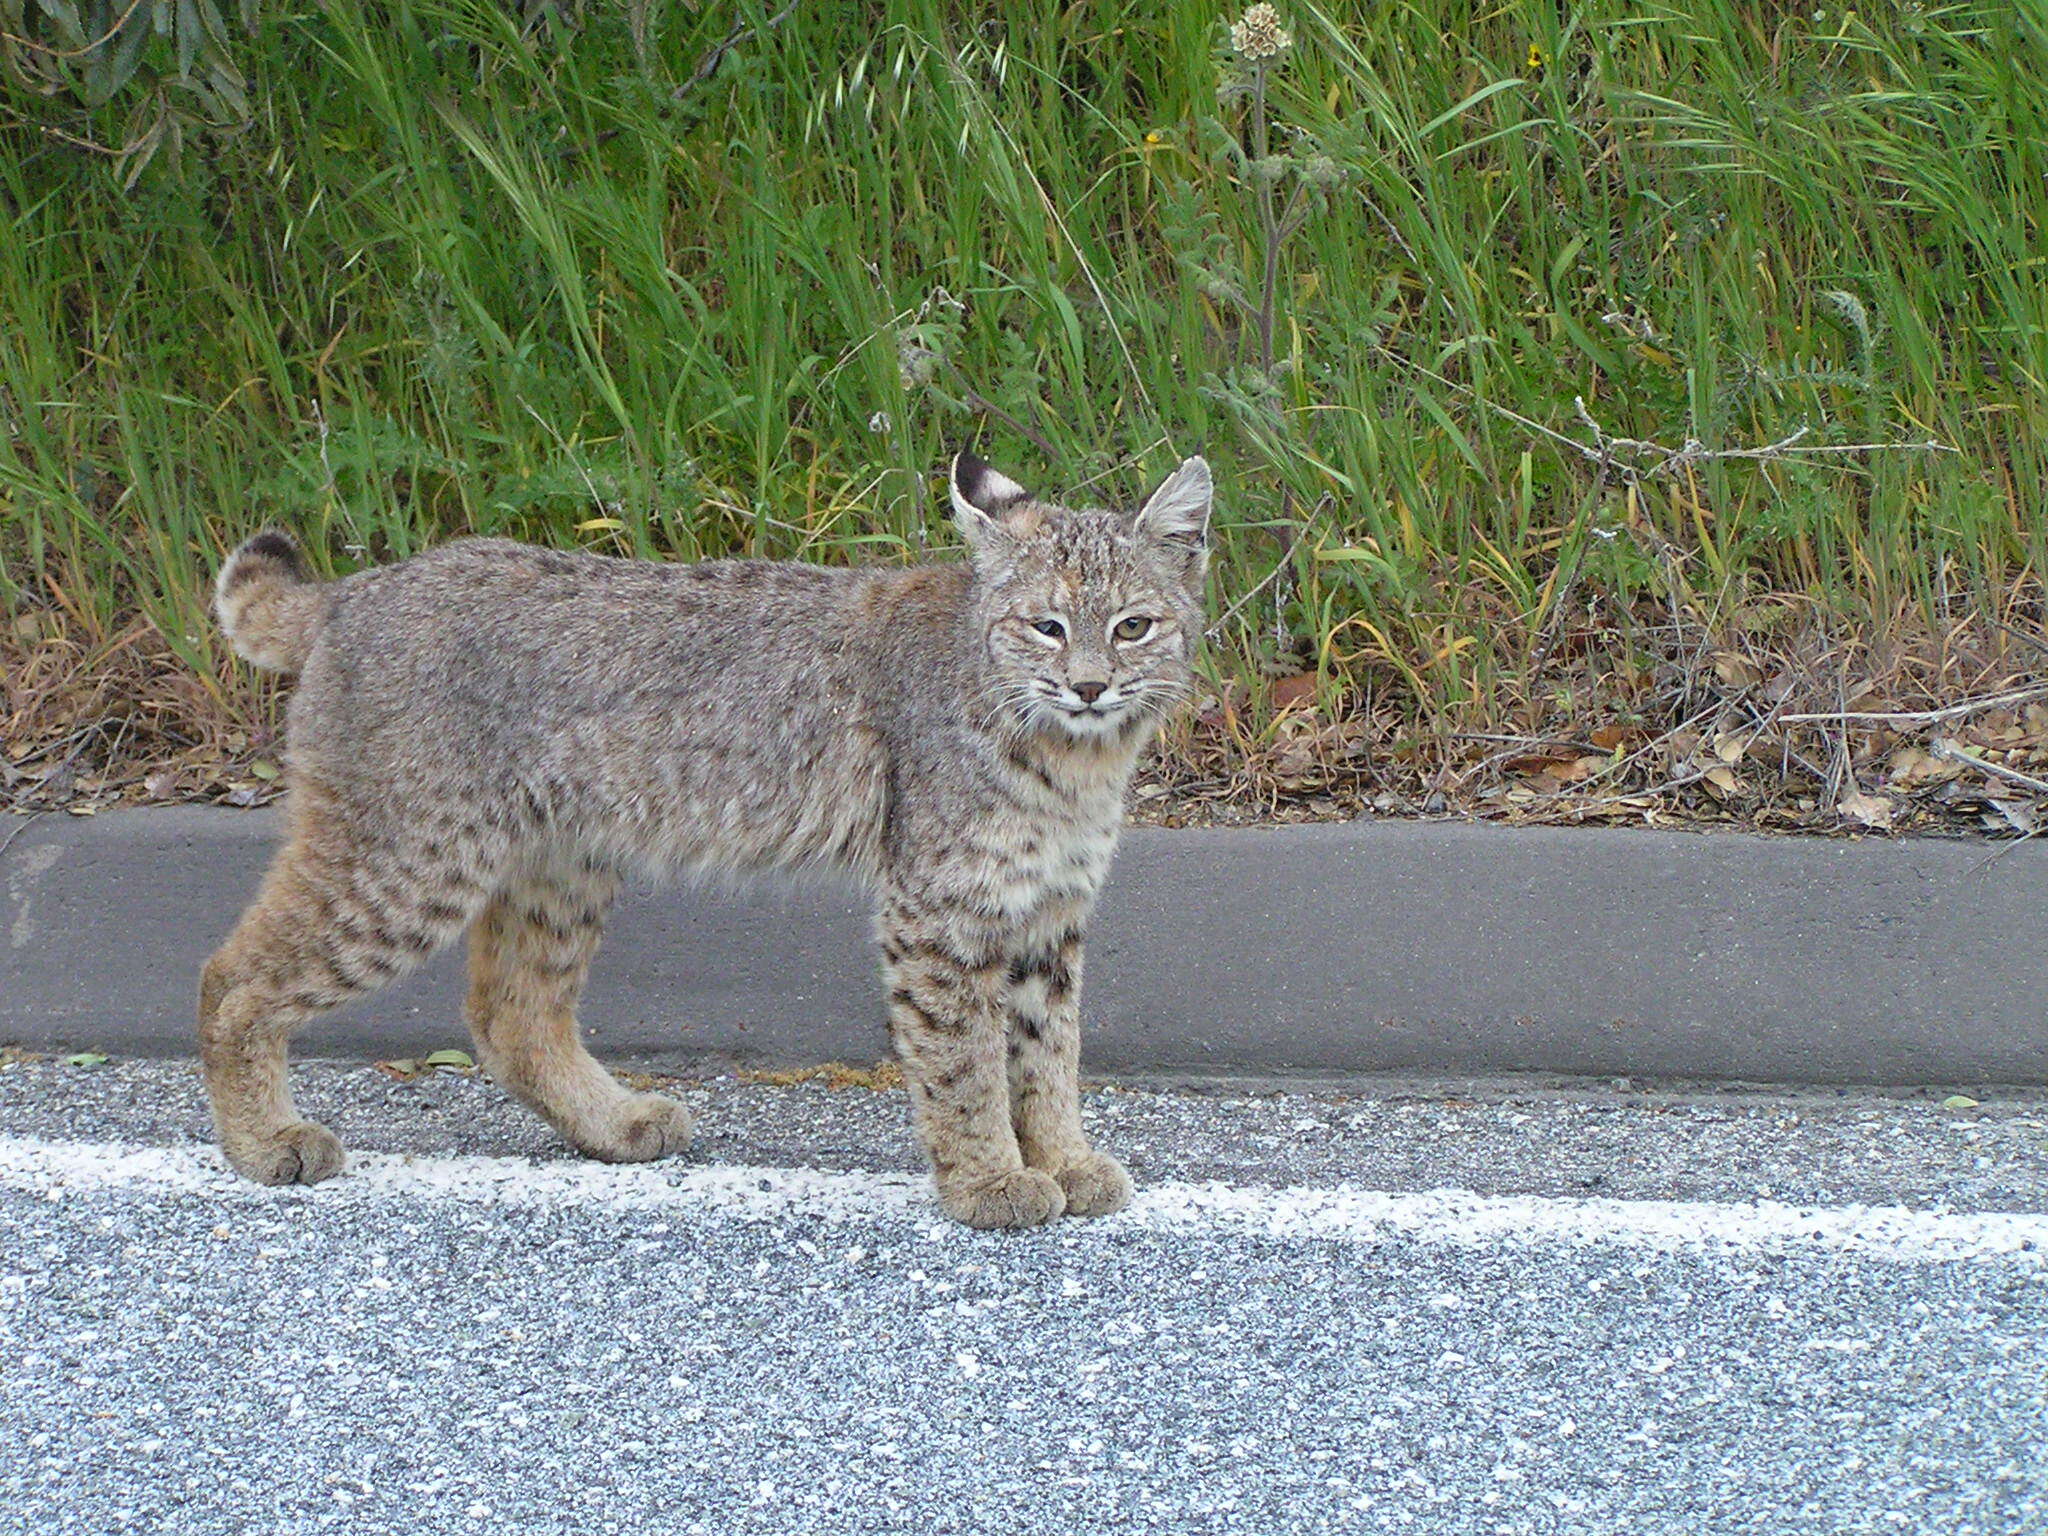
<point x="1178" y="512"/>
<point x="985" y="504"/>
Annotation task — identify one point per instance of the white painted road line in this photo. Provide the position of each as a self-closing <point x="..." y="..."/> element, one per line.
<point x="56" y="1169"/>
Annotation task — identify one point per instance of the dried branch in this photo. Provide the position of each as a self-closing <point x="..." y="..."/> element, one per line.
<point x="1285" y="563"/>
<point x="715" y="55"/>
<point x="26" y="822"/>
<point x="1923" y="716"/>
<point x="1215" y="631"/>
<point x="2022" y="636"/>
<point x="1633" y="460"/>
<point x="1955" y="752"/>
<point x="977" y="402"/>
<point x="78" y="53"/>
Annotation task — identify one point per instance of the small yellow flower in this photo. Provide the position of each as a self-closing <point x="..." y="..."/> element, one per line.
<point x="1537" y="59"/>
<point x="1258" y="34"/>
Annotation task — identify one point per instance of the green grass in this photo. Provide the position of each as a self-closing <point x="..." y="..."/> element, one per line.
<point x="450" y="279"/>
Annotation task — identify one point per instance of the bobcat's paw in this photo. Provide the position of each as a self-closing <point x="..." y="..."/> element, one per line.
<point x="645" y="1126"/>
<point x="1017" y="1197"/>
<point x="298" y="1152"/>
<point x="1094" y="1186"/>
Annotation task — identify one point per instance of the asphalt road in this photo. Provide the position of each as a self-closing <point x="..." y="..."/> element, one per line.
<point x="1641" y="1313"/>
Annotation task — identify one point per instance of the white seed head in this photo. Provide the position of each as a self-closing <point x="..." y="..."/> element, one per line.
<point x="1258" y="34"/>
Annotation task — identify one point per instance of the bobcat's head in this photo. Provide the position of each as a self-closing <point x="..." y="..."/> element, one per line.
<point x="1089" y="618"/>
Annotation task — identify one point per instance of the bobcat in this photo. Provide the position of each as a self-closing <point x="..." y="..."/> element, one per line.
<point x="489" y="735"/>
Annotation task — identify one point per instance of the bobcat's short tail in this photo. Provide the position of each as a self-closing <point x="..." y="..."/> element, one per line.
<point x="270" y="609"/>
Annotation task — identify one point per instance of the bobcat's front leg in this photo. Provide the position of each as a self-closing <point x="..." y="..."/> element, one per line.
<point x="1045" y="1075"/>
<point x="947" y="979"/>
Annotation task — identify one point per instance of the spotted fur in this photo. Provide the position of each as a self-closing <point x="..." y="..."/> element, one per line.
<point x="488" y="737"/>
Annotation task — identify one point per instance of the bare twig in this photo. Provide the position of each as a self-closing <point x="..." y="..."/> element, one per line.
<point x="2022" y="636"/>
<point x="78" y="53"/>
<point x="1633" y="460"/>
<point x="2024" y="837"/>
<point x="1268" y="228"/>
<point x="978" y="402"/>
<point x="715" y="55"/>
<point x="16" y="120"/>
<point x="1957" y="753"/>
<point x="1840" y="768"/>
<point x="1059" y="222"/>
<point x="26" y="822"/>
<point x="1609" y="770"/>
<point x="83" y="732"/>
<point x="1531" y="743"/>
<point x="1127" y="459"/>
<point x="1285" y="563"/>
<point x="1518" y="746"/>
<point x="1650" y="792"/>
<point x="1922" y="716"/>
<point x="609" y="508"/>
<point x="1215" y="631"/>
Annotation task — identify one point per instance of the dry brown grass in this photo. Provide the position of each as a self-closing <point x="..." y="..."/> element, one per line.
<point x="91" y="718"/>
<point x="1661" y="715"/>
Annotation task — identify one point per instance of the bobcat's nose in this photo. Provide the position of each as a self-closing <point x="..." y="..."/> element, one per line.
<point x="1090" y="692"/>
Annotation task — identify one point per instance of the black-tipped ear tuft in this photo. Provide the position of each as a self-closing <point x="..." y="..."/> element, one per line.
<point x="983" y="499"/>
<point x="988" y="490"/>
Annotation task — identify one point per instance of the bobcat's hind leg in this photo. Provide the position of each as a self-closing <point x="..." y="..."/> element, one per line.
<point x="337" y="916"/>
<point x="528" y="955"/>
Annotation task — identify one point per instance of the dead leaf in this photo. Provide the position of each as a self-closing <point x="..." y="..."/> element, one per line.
<point x="1873" y="811"/>
<point x="2018" y="815"/>
<point x="1912" y="766"/>
<point x="1534" y="762"/>
<point x="1730" y="746"/>
<point x="1735" y="670"/>
<point x="1722" y="781"/>
<point x="1579" y="769"/>
<point x="1289" y="692"/>
<point x="1608" y="737"/>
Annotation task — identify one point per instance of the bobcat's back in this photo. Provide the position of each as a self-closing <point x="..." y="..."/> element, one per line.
<point x="734" y="713"/>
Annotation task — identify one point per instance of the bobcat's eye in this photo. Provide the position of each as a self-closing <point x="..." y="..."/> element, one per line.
<point x="1134" y="627"/>
<point x="1052" y="629"/>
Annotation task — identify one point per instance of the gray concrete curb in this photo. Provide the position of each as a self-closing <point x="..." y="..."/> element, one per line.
<point x="1385" y="947"/>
